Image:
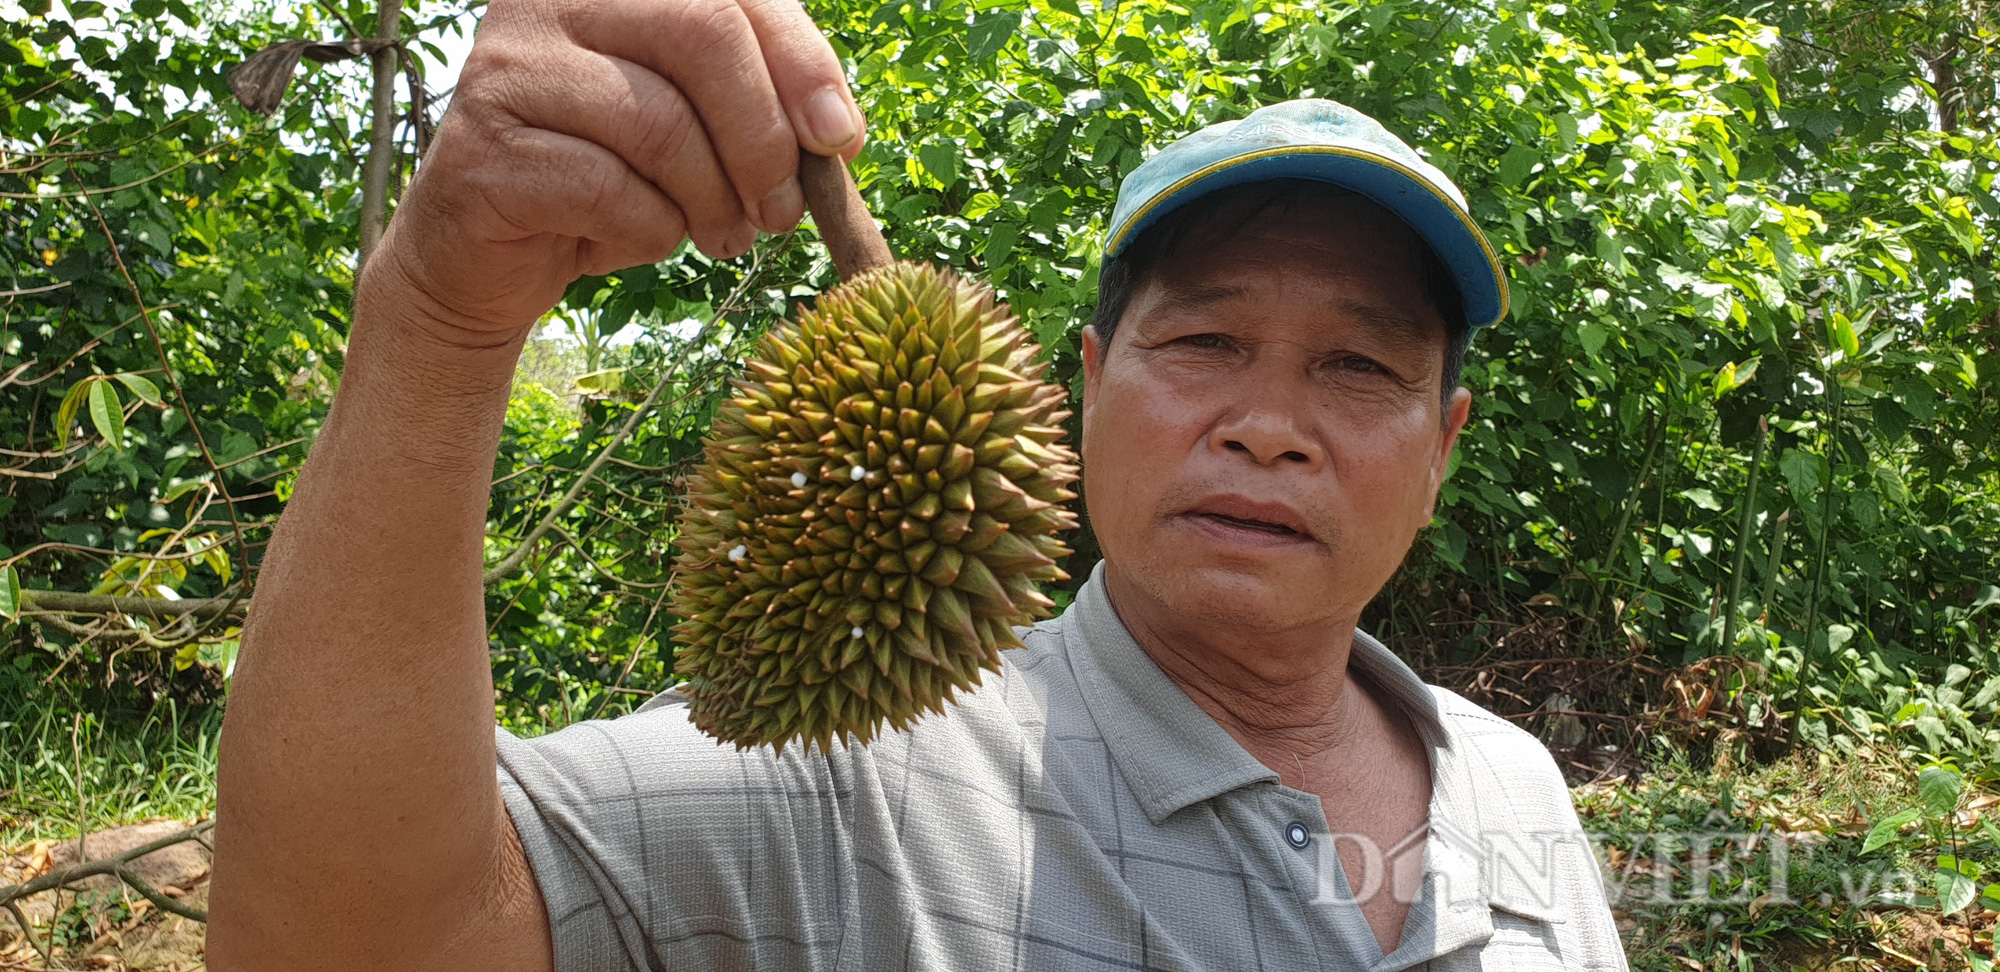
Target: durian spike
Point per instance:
(845, 224)
(873, 511)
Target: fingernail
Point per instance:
(782, 209)
(832, 121)
(741, 240)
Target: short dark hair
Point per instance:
(1120, 278)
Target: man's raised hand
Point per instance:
(358, 756)
(586, 137)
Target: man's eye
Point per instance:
(1210, 341)
(1355, 362)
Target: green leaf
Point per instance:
(1517, 164)
(941, 161)
(153, 235)
(107, 414)
(220, 655)
(1801, 470)
(981, 204)
(601, 382)
(1841, 334)
(1954, 889)
(1885, 829)
(887, 13)
(1732, 376)
(1938, 787)
(1703, 498)
(66, 412)
(1865, 508)
(180, 489)
(1592, 336)
(217, 560)
(1744, 212)
(141, 386)
(10, 593)
(999, 245)
(1449, 543)
(1988, 596)
(990, 32)
(1565, 129)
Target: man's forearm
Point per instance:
(359, 737)
(361, 823)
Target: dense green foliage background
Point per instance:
(1730, 482)
(1715, 216)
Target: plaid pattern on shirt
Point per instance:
(1078, 811)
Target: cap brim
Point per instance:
(1481, 279)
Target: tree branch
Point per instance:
(167, 372)
(25, 291)
(119, 867)
(512, 560)
(570, 497)
(28, 931)
(64, 602)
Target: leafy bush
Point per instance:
(1743, 407)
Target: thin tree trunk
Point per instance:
(379, 171)
(1742, 557)
(1950, 94)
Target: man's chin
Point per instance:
(1245, 597)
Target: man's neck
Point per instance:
(1281, 694)
(1285, 697)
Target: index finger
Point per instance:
(712, 52)
(808, 78)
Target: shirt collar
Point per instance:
(1171, 753)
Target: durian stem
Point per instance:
(844, 221)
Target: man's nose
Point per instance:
(1266, 428)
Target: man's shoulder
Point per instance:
(1466, 720)
(1507, 763)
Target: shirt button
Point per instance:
(1297, 835)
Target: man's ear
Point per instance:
(1093, 364)
(1455, 416)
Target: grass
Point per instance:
(1694, 852)
(1761, 867)
(67, 771)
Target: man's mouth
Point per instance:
(1260, 525)
(1240, 513)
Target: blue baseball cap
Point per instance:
(1312, 138)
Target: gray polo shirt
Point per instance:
(1078, 811)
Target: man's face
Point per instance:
(1265, 435)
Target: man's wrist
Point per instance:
(391, 287)
(427, 386)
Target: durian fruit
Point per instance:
(876, 506)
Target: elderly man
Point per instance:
(1200, 765)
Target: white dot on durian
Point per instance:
(856, 632)
(799, 480)
(856, 473)
(738, 552)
